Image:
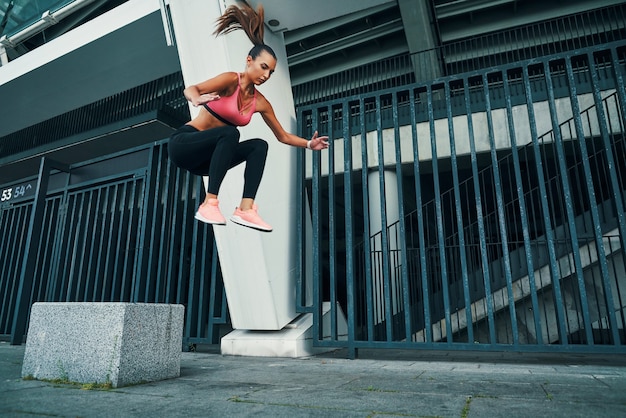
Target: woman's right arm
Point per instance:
(211, 89)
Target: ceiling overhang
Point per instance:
(301, 13)
(107, 140)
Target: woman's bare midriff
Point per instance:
(205, 121)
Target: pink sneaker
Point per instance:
(250, 218)
(210, 213)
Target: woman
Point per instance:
(209, 144)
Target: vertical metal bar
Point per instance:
(506, 265)
(366, 221)
(332, 255)
(554, 270)
(386, 273)
(17, 228)
(459, 215)
(213, 294)
(173, 237)
(155, 209)
(318, 332)
(109, 267)
(40, 256)
(116, 278)
(196, 275)
(621, 96)
(404, 263)
(301, 221)
(25, 286)
(439, 215)
(101, 256)
(43, 250)
(101, 278)
(84, 262)
(53, 291)
(129, 235)
(91, 265)
(615, 186)
(77, 248)
(480, 219)
(611, 241)
(65, 250)
(165, 211)
(186, 196)
(71, 248)
(420, 221)
(522, 210)
(349, 229)
(567, 195)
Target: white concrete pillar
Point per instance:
(258, 268)
(390, 198)
(392, 209)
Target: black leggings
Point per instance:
(215, 151)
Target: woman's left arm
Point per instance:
(264, 107)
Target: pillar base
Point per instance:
(294, 340)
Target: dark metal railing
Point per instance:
(500, 237)
(115, 229)
(512, 201)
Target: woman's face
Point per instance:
(261, 68)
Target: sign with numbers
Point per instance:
(15, 192)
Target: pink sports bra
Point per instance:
(227, 110)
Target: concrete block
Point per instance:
(101, 342)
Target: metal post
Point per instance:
(420, 222)
(25, 286)
(439, 220)
(349, 227)
(459, 218)
(501, 216)
(367, 248)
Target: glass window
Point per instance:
(16, 15)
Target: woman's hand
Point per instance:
(318, 143)
(205, 98)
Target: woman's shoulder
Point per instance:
(261, 102)
(225, 83)
(228, 76)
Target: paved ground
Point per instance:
(406, 384)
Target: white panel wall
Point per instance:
(258, 268)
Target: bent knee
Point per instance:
(260, 145)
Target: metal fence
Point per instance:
(118, 229)
(510, 214)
